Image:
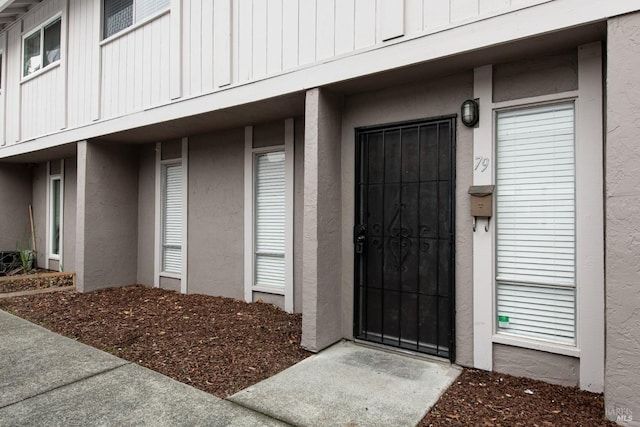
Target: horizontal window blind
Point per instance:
(535, 222)
(172, 219)
(146, 8)
(538, 311)
(269, 219)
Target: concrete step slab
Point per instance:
(348, 384)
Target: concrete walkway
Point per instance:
(49, 380)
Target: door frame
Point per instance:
(452, 119)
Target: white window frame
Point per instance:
(135, 23)
(249, 218)
(183, 160)
(589, 224)
(50, 216)
(506, 337)
(40, 28)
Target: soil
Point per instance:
(222, 345)
(484, 398)
(218, 345)
(19, 283)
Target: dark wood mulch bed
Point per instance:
(219, 345)
(484, 398)
(26, 282)
(222, 345)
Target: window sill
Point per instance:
(40, 72)
(134, 27)
(268, 290)
(549, 347)
(171, 275)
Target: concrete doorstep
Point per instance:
(50, 380)
(348, 384)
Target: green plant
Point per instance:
(27, 257)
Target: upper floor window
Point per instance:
(120, 14)
(41, 47)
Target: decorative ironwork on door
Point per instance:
(404, 254)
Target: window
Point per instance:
(172, 218)
(41, 47)
(55, 200)
(120, 14)
(269, 219)
(536, 223)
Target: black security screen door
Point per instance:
(404, 254)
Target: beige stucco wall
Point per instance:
(107, 215)
(414, 101)
(524, 362)
(146, 213)
(69, 212)
(216, 214)
(622, 159)
(15, 197)
(39, 197)
(321, 256)
(536, 76)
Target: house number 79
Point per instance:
(482, 163)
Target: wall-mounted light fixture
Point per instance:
(470, 112)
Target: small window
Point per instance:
(120, 14)
(41, 47)
(536, 223)
(56, 214)
(172, 218)
(269, 219)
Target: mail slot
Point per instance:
(481, 200)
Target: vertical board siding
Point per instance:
(274, 36)
(198, 47)
(345, 19)
(365, 23)
(3, 47)
(307, 31)
(259, 51)
(80, 62)
(136, 69)
(290, 33)
(463, 9)
(42, 104)
(325, 39)
(206, 45)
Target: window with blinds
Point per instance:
(120, 14)
(535, 222)
(172, 218)
(269, 219)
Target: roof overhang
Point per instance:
(12, 10)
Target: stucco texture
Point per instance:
(107, 215)
(322, 259)
(216, 214)
(146, 213)
(69, 212)
(524, 362)
(419, 100)
(15, 197)
(622, 373)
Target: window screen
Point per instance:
(172, 219)
(118, 15)
(269, 219)
(535, 220)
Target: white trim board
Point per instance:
(249, 223)
(589, 224)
